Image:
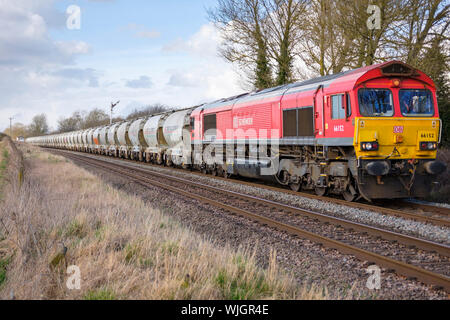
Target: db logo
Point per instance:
(398, 129)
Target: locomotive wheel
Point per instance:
(214, 172)
(295, 186)
(348, 196)
(320, 191)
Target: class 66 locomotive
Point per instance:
(369, 133)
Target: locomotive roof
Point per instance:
(280, 90)
(391, 68)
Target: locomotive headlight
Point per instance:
(428, 146)
(396, 83)
(370, 146)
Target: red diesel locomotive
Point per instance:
(372, 132)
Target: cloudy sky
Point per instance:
(137, 51)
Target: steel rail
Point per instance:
(400, 267)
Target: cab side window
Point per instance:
(338, 106)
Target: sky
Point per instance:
(139, 52)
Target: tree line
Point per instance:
(79, 120)
(275, 42)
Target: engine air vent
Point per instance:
(398, 69)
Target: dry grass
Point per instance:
(441, 194)
(124, 248)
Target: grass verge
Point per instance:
(64, 216)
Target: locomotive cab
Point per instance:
(397, 133)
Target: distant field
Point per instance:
(124, 249)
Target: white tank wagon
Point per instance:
(72, 142)
(178, 136)
(65, 140)
(154, 137)
(103, 139)
(79, 140)
(90, 140)
(55, 141)
(125, 144)
(113, 140)
(84, 135)
(59, 141)
(136, 135)
(96, 139)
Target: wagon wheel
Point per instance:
(159, 159)
(295, 186)
(225, 174)
(320, 191)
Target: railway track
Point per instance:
(442, 211)
(442, 220)
(412, 257)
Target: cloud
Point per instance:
(204, 42)
(140, 83)
(33, 65)
(179, 79)
(90, 75)
(140, 31)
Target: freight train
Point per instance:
(369, 133)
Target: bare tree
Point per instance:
(95, 118)
(423, 23)
(18, 130)
(38, 126)
(147, 111)
(242, 26)
(284, 22)
(71, 123)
